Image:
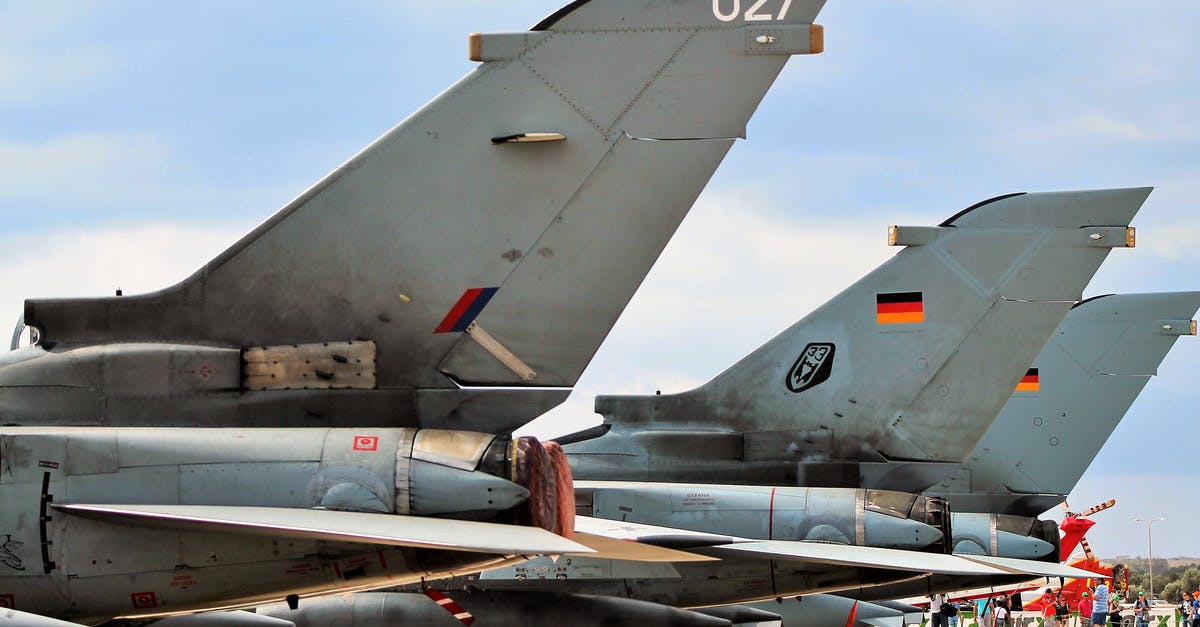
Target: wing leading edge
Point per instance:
(339, 526)
(824, 553)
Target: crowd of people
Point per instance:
(1097, 606)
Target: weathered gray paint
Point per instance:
(1091, 371)
(97, 562)
(649, 96)
(763, 512)
(996, 281)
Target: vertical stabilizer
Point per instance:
(913, 361)
(490, 239)
(1074, 396)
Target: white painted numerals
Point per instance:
(756, 10)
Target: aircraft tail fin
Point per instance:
(493, 237)
(1070, 402)
(914, 360)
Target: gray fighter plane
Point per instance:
(913, 362)
(486, 243)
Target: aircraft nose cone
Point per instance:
(899, 533)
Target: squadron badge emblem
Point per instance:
(812, 367)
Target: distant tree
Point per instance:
(1190, 580)
(1170, 592)
(1139, 575)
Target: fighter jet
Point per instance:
(488, 242)
(913, 362)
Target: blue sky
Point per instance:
(138, 139)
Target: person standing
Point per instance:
(1048, 611)
(1085, 610)
(1114, 610)
(1100, 605)
(1141, 610)
(1001, 614)
(936, 617)
(1062, 613)
(951, 610)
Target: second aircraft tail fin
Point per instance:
(913, 361)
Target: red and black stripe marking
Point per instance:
(464, 312)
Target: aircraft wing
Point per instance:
(722, 546)
(1031, 567)
(650, 534)
(862, 556)
(619, 549)
(934, 563)
(338, 526)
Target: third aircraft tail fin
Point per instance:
(1069, 402)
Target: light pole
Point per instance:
(1150, 549)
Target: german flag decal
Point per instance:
(1029, 382)
(899, 308)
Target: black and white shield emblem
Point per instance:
(812, 367)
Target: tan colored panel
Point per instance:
(328, 365)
